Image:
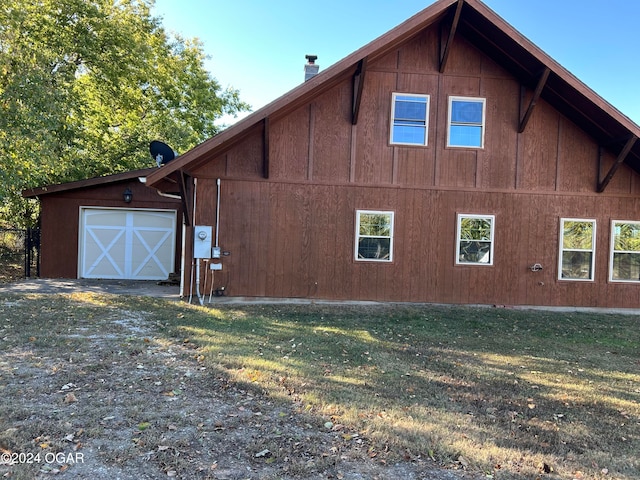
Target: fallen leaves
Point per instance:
(70, 398)
(139, 384)
(172, 393)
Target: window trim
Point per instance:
(612, 251)
(394, 96)
(358, 236)
(461, 216)
(562, 249)
(483, 125)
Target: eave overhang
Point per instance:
(561, 89)
(87, 183)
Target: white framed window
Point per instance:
(577, 249)
(374, 236)
(410, 119)
(625, 251)
(474, 244)
(466, 122)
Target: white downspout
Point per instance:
(197, 260)
(182, 258)
(217, 245)
(200, 297)
(218, 213)
(193, 259)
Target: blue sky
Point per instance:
(259, 46)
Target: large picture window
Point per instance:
(625, 251)
(577, 249)
(409, 119)
(466, 122)
(374, 236)
(475, 239)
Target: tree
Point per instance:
(85, 85)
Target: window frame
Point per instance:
(394, 98)
(460, 217)
(562, 249)
(612, 250)
(358, 236)
(482, 125)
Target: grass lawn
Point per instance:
(506, 392)
(510, 394)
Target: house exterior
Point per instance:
(448, 161)
(110, 227)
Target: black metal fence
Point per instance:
(19, 253)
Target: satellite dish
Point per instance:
(161, 152)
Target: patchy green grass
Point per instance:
(507, 392)
(511, 394)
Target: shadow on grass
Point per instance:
(511, 393)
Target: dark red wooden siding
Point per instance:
(292, 234)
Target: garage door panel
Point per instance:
(103, 218)
(153, 221)
(127, 244)
(150, 269)
(104, 252)
(104, 268)
(148, 257)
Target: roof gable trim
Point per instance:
(468, 16)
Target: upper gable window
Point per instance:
(466, 122)
(409, 119)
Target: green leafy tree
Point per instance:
(85, 85)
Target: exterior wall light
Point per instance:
(127, 195)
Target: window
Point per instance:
(577, 249)
(625, 251)
(475, 240)
(409, 119)
(374, 236)
(466, 122)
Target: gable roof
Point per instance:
(90, 182)
(490, 34)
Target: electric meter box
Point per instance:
(202, 235)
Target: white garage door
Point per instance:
(118, 243)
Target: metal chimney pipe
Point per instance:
(310, 68)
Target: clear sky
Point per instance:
(259, 46)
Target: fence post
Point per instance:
(31, 243)
(27, 253)
(36, 242)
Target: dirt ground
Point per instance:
(122, 401)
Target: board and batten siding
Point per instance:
(291, 233)
(297, 240)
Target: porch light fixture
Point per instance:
(127, 195)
